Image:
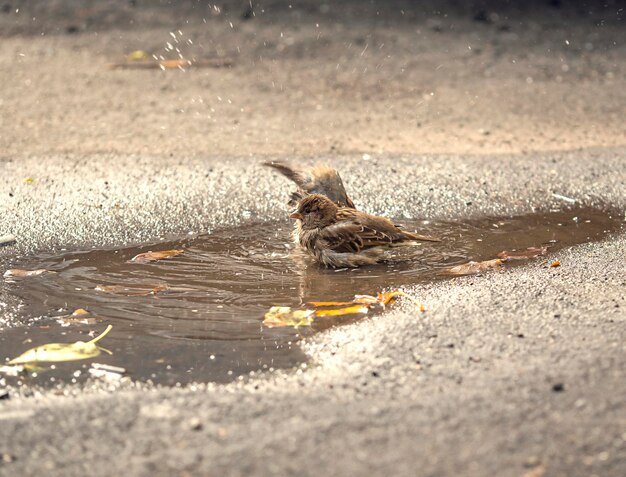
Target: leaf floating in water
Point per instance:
(285, 316)
(556, 263)
(530, 252)
(58, 352)
(281, 316)
(19, 273)
(132, 290)
(154, 256)
(472, 268)
(350, 310)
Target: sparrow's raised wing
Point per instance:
(321, 179)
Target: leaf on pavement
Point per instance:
(556, 263)
(472, 268)
(58, 352)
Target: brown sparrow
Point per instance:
(343, 236)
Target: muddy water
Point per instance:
(207, 324)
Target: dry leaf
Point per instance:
(285, 316)
(530, 252)
(556, 263)
(154, 256)
(58, 352)
(471, 268)
(19, 273)
(29, 180)
(280, 316)
(78, 317)
(132, 290)
(382, 299)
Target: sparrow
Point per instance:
(321, 179)
(339, 237)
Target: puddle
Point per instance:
(207, 326)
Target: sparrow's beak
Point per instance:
(296, 215)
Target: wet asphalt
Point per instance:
(520, 373)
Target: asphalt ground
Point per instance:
(520, 373)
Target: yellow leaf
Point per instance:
(154, 256)
(58, 352)
(137, 55)
(280, 316)
(350, 310)
(29, 180)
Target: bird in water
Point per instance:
(330, 228)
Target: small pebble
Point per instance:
(195, 424)
(558, 387)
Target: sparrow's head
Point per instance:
(315, 211)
